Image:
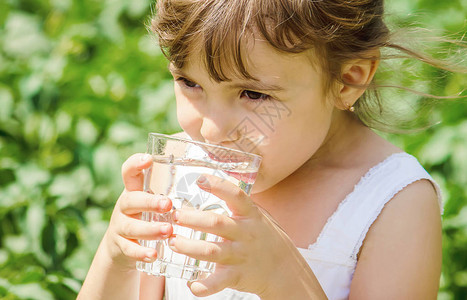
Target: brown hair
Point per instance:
(337, 30)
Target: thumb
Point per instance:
(215, 283)
(132, 171)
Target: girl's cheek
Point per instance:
(187, 120)
(188, 116)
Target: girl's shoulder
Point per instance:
(413, 186)
(402, 246)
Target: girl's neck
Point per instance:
(342, 143)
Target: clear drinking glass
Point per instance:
(177, 164)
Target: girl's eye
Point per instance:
(255, 96)
(187, 82)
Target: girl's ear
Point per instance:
(357, 75)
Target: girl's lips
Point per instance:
(225, 158)
(245, 177)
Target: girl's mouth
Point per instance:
(224, 158)
(248, 178)
(245, 176)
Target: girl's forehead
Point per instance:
(258, 58)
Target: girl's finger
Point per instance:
(203, 250)
(134, 250)
(136, 202)
(236, 199)
(206, 221)
(132, 171)
(211, 285)
(142, 230)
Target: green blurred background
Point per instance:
(81, 85)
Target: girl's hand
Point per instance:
(126, 226)
(255, 255)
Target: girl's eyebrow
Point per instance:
(174, 69)
(258, 85)
(248, 85)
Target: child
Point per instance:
(336, 211)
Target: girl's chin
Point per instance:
(259, 186)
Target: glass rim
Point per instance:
(171, 137)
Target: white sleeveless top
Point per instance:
(333, 257)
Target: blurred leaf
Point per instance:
(439, 146)
(11, 196)
(22, 36)
(108, 20)
(35, 223)
(63, 287)
(17, 244)
(86, 132)
(72, 188)
(31, 291)
(118, 87)
(107, 164)
(4, 286)
(6, 103)
(122, 133)
(30, 175)
(3, 256)
(78, 263)
(148, 45)
(137, 9)
(98, 85)
(62, 5)
(153, 102)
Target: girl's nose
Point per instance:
(219, 127)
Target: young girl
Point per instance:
(336, 211)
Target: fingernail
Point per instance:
(145, 157)
(175, 215)
(202, 180)
(149, 257)
(172, 241)
(163, 202)
(165, 229)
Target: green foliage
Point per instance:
(442, 149)
(81, 85)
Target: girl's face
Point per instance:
(284, 116)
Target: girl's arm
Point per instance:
(151, 287)
(107, 280)
(113, 273)
(401, 255)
